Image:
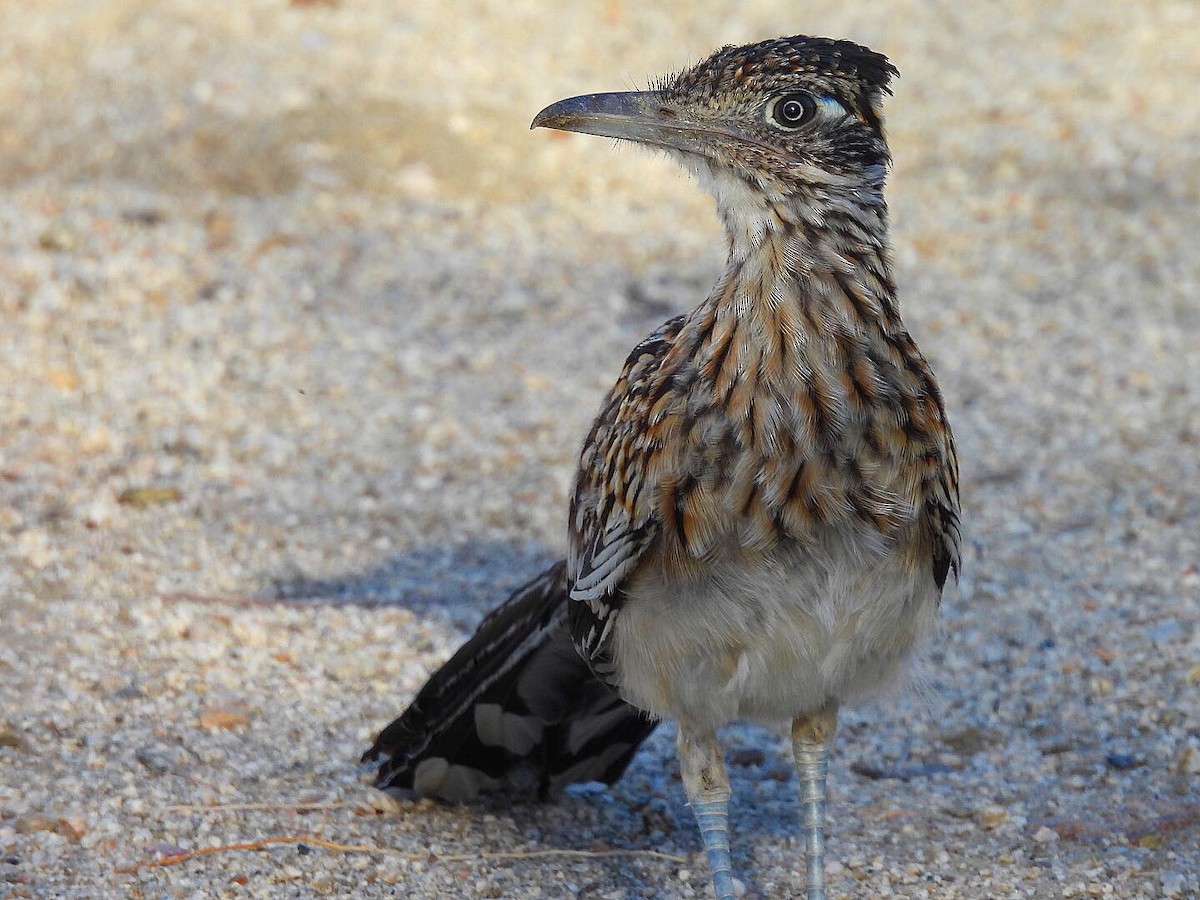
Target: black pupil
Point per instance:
(793, 111)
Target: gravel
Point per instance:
(303, 327)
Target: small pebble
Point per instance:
(1122, 761)
(992, 817)
(1173, 884)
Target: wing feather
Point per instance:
(612, 519)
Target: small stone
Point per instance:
(992, 817)
(970, 740)
(218, 228)
(1122, 761)
(383, 804)
(222, 719)
(145, 215)
(1173, 884)
(1188, 762)
(32, 824)
(58, 240)
(1045, 835)
(156, 762)
(10, 737)
(142, 497)
(72, 827)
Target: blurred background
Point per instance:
(302, 328)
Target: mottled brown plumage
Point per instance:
(766, 508)
(791, 402)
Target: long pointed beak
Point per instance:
(641, 116)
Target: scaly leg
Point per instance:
(707, 787)
(811, 738)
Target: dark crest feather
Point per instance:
(798, 54)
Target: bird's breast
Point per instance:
(772, 424)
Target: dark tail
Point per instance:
(515, 710)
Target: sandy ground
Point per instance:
(301, 329)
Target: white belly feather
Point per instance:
(769, 637)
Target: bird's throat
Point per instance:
(803, 270)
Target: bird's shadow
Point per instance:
(460, 581)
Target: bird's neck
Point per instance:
(823, 253)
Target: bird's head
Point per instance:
(781, 121)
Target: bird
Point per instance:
(766, 508)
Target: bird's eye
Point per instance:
(793, 110)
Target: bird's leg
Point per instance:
(811, 738)
(707, 788)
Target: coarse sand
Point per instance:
(302, 327)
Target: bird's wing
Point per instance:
(612, 518)
(941, 508)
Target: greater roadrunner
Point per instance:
(766, 508)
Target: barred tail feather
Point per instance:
(516, 710)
